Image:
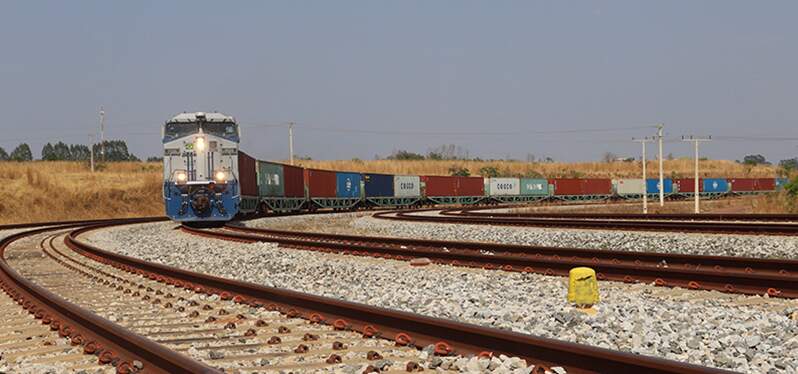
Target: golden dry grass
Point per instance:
(681, 168)
(48, 191)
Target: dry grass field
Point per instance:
(48, 191)
(681, 168)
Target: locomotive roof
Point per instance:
(209, 117)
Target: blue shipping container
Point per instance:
(716, 185)
(347, 184)
(378, 185)
(780, 182)
(652, 185)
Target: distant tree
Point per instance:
(21, 153)
(3, 154)
(755, 160)
(670, 156)
(608, 157)
(61, 151)
(115, 150)
(789, 164)
(405, 155)
(154, 159)
(133, 157)
(458, 171)
(79, 152)
(48, 154)
(489, 172)
(549, 159)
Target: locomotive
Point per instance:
(200, 166)
(207, 179)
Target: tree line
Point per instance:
(109, 150)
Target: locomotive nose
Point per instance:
(201, 203)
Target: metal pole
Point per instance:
(291, 142)
(643, 158)
(102, 134)
(696, 193)
(91, 152)
(661, 177)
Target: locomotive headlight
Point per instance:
(181, 176)
(199, 144)
(220, 176)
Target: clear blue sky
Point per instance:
(701, 67)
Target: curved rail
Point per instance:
(642, 225)
(775, 277)
(110, 342)
(479, 212)
(406, 328)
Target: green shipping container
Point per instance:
(534, 186)
(270, 179)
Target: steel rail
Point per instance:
(112, 343)
(677, 226)
(407, 328)
(777, 278)
(479, 212)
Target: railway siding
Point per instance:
(703, 327)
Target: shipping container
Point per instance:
(503, 186)
(534, 186)
(470, 186)
(687, 185)
(715, 185)
(570, 186)
(628, 186)
(271, 181)
(378, 185)
(320, 183)
(743, 184)
(766, 184)
(439, 185)
(247, 178)
(406, 185)
(294, 181)
(348, 184)
(652, 185)
(780, 182)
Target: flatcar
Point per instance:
(208, 178)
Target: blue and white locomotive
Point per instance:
(201, 167)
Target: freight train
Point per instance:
(208, 178)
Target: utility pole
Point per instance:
(291, 142)
(91, 151)
(102, 133)
(643, 141)
(695, 142)
(661, 177)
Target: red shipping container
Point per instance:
(766, 184)
(321, 183)
(688, 184)
(439, 185)
(581, 186)
(294, 177)
(247, 178)
(743, 184)
(470, 186)
(598, 186)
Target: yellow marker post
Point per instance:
(583, 287)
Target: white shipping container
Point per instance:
(406, 186)
(504, 186)
(629, 186)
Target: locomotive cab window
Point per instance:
(176, 130)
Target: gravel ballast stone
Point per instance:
(743, 333)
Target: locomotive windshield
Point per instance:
(174, 130)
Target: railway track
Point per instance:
(135, 316)
(568, 221)
(743, 217)
(775, 277)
